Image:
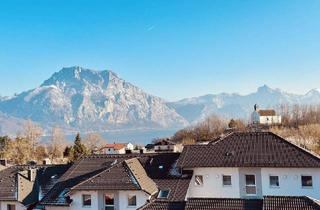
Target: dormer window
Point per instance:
(164, 194)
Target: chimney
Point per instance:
(32, 173)
(3, 162)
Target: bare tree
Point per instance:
(19, 151)
(32, 133)
(57, 144)
(93, 142)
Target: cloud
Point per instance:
(150, 28)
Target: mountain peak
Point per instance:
(315, 91)
(265, 88)
(78, 75)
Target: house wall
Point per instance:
(270, 119)
(98, 203)
(290, 182)
(142, 198)
(113, 151)
(289, 178)
(212, 183)
(164, 148)
(19, 206)
(242, 181)
(130, 146)
(77, 200)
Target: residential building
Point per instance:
(239, 171)
(122, 182)
(117, 148)
(165, 145)
(21, 187)
(255, 168)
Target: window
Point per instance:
(163, 194)
(109, 201)
(86, 200)
(198, 180)
(251, 185)
(306, 181)
(226, 180)
(274, 181)
(11, 207)
(132, 200)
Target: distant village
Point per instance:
(206, 167)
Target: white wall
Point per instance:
(19, 206)
(212, 183)
(77, 200)
(142, 198)
(289, 178)
(290, 182)
(270, 119)
(97, 200)
(113, 151)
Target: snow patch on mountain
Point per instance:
(89, 100)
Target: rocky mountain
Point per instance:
(83, 99)
(240, 106)
(76, 99)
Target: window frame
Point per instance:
(83, 200)
(11, 206)
(306, 187)
(132, 195)
(226, 175)
(195, 182)
(251, 185)
(164, 190)
(274, 186)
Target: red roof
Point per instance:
(115, 146)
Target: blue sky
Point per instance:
(170, 48)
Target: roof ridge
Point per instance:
(144, 173)
(84, 181)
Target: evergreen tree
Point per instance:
(232, 124)
(78, 148)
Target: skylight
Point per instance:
(164, 194)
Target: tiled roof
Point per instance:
(289, 203)
(267, 112)
(28, 193)
(177, 187)
(164, 205)
(145, 182)
(48, 176)
(115, 146)
(8, 184)
(117, 177)
(267, 203)
(108, 172)
(248, 149)
(223, 203)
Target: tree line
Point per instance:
(27, 146)
(300, 125)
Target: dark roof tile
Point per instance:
(223, 203)
(248, 149)
(289, 203)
